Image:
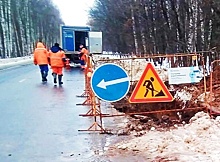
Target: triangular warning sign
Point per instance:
(150, 88)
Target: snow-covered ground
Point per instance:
(197, 141)
(11, 62)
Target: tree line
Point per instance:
(24, 22)
(157, 26)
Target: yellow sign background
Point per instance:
(142, 89)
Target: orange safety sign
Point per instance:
(150, 88)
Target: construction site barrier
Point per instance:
(214, 80)
(175, 60)
(91, 100)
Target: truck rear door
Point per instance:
(95, 42)
(68, 40)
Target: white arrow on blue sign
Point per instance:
(110, 82)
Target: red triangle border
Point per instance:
(167, 98)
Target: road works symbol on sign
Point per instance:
(150, 88)
(110, 82)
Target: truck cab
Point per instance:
(73, 36)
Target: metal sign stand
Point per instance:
(92, 101)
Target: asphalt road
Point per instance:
(40, 122)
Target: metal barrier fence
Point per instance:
(91, 100)
(214, 94)
(134, 66)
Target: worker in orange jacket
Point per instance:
(83, 56)
(41, 59)
(57, 60)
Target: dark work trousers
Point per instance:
(44, 71)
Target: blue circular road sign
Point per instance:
(110, 82)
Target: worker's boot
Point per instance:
(60, 79)
(54, 78)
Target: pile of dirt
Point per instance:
(188, 100)
(143, 108)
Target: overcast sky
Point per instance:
(74, 12)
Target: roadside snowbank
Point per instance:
(10, 62)
(196, 141)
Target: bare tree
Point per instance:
(25, 22)
(158, 26)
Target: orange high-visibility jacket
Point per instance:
(40, 55)
(56, 59)
(84, 52)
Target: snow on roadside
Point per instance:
(9, 62)
(196, 141)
